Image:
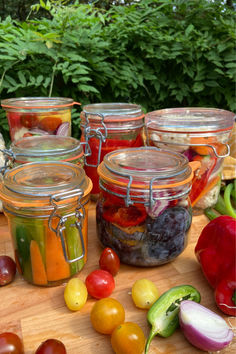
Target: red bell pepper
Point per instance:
(124, 216)
(216, 250)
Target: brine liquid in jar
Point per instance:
(144, 212)
(107, 127)
(30, 116)
(46, 204)
(200, 134)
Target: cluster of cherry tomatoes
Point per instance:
(107, 315)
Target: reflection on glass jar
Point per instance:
(47, 209)
(30, 116)
(201, 134)
(107, 127)
(143, 211)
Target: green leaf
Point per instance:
(189, 29)
(198, 87)
(211, 83)
(22, 78)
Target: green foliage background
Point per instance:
(157, 54)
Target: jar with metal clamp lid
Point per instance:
(29, 116)
(143, 211)
(107, 127)
(47, 209)
(45, 148)
(201, 134)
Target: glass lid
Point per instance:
(37, 102)
(191, 119)
(46, 146)
(31, 182)
(143, 165)
(118, 111)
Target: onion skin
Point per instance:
(198, 336)
(63, 129)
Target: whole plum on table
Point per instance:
(7, 270)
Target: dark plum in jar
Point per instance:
(144, 211)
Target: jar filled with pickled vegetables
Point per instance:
(144, 212)
(29, 116)
(46, 204)
(201, 134)
(46, 148)
(107, 127)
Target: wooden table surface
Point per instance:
(37, 313)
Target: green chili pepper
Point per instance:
(228, 205)
(74, 246)
(23, 231)
(22, 240)
(210, 213)
(163, 315)
(220, 205)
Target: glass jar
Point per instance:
(107, 127)
(143, 211)
(28, 116)
(47, 209)
(201, 134)
(46, 148)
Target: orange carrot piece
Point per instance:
(38, 270)
(206, 189)
(56, 266)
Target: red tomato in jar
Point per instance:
(100, 283)
(50, 123)
(109, 261)
(51, 346)
(10, 343)
(29, 120)
(128, 338)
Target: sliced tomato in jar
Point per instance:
(50, 123)
(29, 120)
(124, 216)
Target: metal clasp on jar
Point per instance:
(9, 156)
(79, 214)
(97, 133)
(189, 145)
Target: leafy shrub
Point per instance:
(157, 54)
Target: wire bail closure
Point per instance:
(186, 144)
(97, 133)
(8, 156)
(79, 214)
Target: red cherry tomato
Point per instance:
(10, 343)
(100, 283)
(29, 120)
(109, 261)
(51, 346)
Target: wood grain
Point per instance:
(37, 313)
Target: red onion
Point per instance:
(38, 131)
(63, 129)
(203, 328)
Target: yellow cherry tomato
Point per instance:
(128, 338)
(144, 293)
(106, 315)
(75, 294)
